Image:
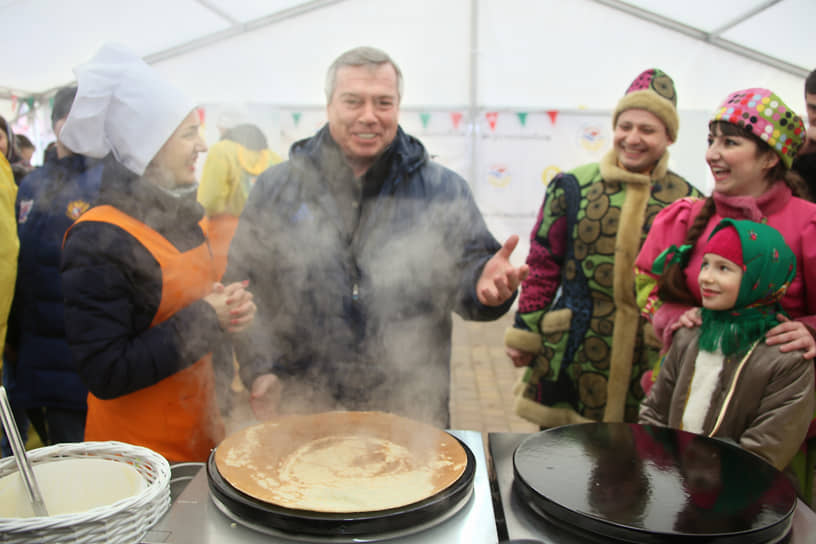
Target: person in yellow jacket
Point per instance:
(229, 173)
(9, 243)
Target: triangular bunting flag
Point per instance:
(492, 117)
(522, 115)
(30, 102)
(553, 114)
(296, 117)
(425, 117)
(456, 118)
(201, 115)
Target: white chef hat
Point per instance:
(122, 106)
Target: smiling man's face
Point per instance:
(364, 113)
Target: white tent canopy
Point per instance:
(527, 53)
(468, 58)
(472, 54)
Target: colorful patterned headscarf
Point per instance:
(769, 266)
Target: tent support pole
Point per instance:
(473, 93)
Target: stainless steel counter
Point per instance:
(516, 520)
(195, 519)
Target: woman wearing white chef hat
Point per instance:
(143, 311)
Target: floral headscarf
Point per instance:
(769, 266)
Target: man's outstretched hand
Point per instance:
(500, 279)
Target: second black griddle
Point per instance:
(620, 482)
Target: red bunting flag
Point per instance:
(553, 114)
(456, 117)
(492, 117)
(201, 115)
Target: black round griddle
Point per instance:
(621, 482)
(262, 515)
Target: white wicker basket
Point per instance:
(125, 521)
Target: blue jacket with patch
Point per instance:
(360, 317)
(49, 200)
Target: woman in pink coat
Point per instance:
(753, 138)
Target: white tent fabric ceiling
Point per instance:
(497, 53)
(507, 57)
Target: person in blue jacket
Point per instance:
(42, 382)
(359, 248)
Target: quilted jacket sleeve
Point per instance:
(548, 246)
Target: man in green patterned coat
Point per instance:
(578, 329)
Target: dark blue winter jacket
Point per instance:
(49, 200)
(113, 288)
(363, 316)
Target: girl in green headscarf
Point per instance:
(721, 378)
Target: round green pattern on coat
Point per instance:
(604, 274)
(603, 327)
(589, 230)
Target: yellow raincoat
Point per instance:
(9, 243)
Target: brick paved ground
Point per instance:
(483, 378)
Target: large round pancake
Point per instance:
(341, 462)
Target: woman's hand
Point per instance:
(791, 335)
(265, 396)
(690, 319)
(233, 306)
(519, 358)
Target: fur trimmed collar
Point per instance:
(610, 170)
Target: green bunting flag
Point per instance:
(296, 117)
(425, 117)
(522, 115)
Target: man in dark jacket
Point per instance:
(39, 372)
(805, 163)
(357, 250)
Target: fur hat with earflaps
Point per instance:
(653, 90)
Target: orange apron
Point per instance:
(178, 416)
(221, 229)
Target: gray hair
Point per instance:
(360, 56)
